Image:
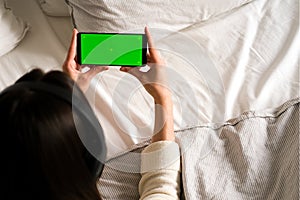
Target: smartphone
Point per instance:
(114, 49)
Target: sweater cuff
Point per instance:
(160, 155)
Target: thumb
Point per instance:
(72, 49)
(135, 71)
(95, 70)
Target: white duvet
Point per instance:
(245, 59)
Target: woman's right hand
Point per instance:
(154, 81)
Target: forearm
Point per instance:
(164, 123)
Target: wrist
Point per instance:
(164, 101)
(164, 125)
(162, 97)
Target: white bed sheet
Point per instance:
(253, 49)
(40, 48)
(63, 27)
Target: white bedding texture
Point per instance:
(244, 57)
(41, 47)
(13, 29)
(224, 59)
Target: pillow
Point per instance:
(55, 8)
(12, 31)
(118, 16)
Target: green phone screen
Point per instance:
(111, 49)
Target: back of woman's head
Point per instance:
(42, 154)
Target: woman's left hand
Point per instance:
(73, 69)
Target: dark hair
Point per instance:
(41, 150)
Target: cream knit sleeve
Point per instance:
(160, 168)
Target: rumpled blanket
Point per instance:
(253, 156)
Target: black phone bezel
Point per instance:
(144, 49)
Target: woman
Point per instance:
(43, 153)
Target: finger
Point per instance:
(124, 69)
(95, 70)
(148, 58)
(72, 49)
(135, 71)
(149, 37)
(152, 50)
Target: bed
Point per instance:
(234, 73)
